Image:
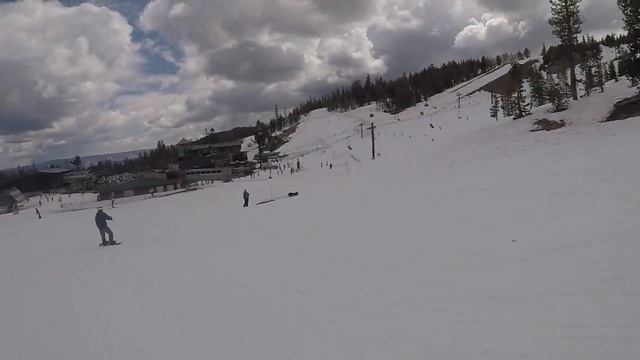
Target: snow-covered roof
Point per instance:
(249, 143)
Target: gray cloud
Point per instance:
(249, 61)
(57, 62)
(22, 106)
(393, 47)
(512, 5)
(601, 16)
(346, 10)
(254, 98)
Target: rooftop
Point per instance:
(54, 171)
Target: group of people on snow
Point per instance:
(102, 217)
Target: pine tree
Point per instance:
(520, 103)
(587, 71)
(368, 89)
(508, 105)
(631, 17)
(404, 94)
(77, 162)
(537, 88)
(613, 74)
(599, 73)
(495, 106)
(557, 92)
(545, 56)
(565, 87)
(567, 21)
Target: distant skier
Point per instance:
(101, 223)
(38, 213)
(245, 195)
(298, 167)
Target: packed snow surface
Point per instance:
(468, 239)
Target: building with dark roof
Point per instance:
(137, 187)
(42, 181)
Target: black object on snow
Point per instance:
(109, 244)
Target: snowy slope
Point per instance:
(471, 239)
(608, 54)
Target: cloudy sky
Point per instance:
(90, 77)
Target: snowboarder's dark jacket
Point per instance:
(101, 219)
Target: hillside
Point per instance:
(467, 238)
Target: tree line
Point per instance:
(401, 93)
(158, 158)
(585, 55)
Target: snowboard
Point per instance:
(117, 243)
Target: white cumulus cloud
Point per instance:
(57, 61)
(489, 30)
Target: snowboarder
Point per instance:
(298, 164)
(245, 195)
(101, 223)
(113, 200)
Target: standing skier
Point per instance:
(245, 195)
(101, 223)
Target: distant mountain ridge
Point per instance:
(86, 160)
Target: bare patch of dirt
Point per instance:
(548, 125)
(625, 109)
